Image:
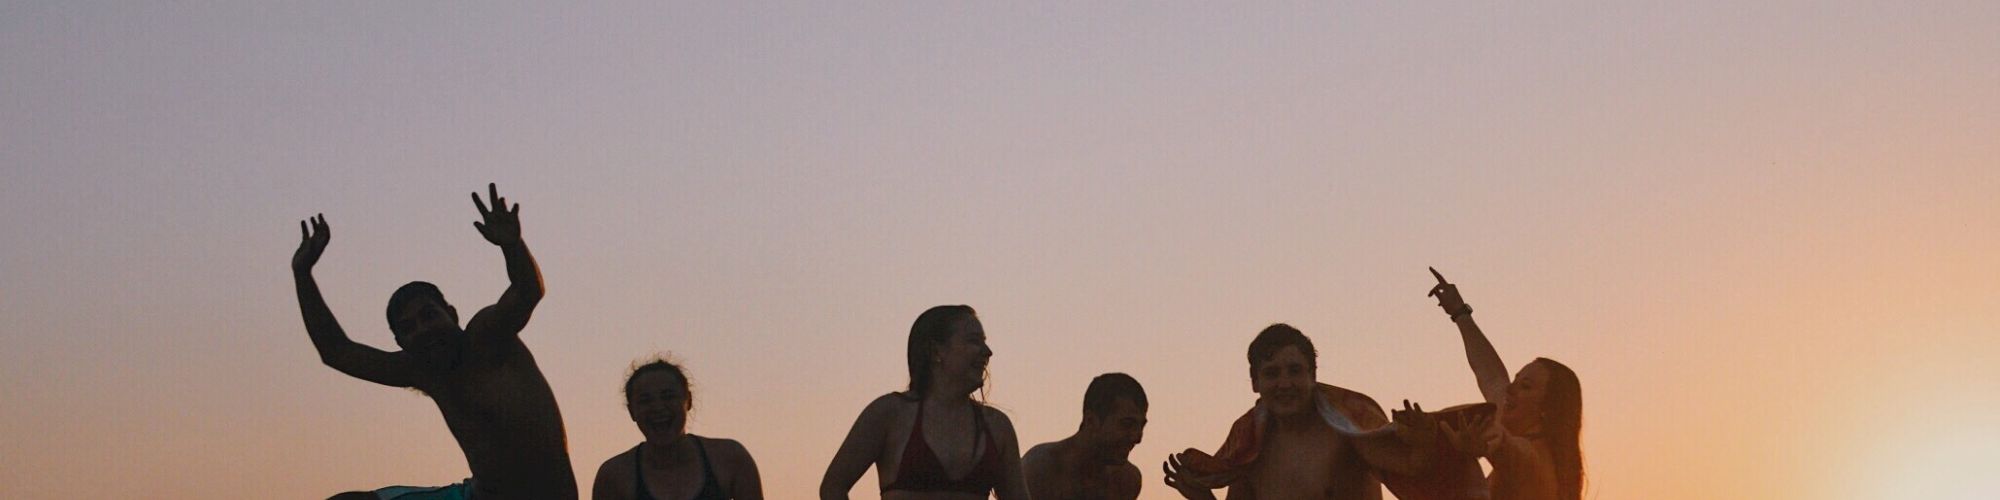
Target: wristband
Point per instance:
(1464, 310)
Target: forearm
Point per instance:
(1384, 449)
(523, 276)
(828, 491)
(1487, 367)
(327, 336)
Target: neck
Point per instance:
(946, 393)
(1076, 452)
(1306, 419)
(666, 448)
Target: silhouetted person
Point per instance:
(1534, 451)
(934, 442)
(482, 377)
(672, 464)
(1094, 463)
(1302, 440)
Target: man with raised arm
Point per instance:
(1303, 439)
(483, 379)
(1094, 463)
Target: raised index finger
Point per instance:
(480, 204)
(1440, 277)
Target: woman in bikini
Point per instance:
(934, 442)
(1534, 449)
(672, 464)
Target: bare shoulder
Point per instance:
(998, 418)
(614, 474)
(1038, 453)
(1039, 459)
(1125, 480)
(729, 449)
(886, 408)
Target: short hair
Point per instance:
(412, 291)
(659, 364)
(1275, 338)
(1107, 389)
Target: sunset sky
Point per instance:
(1766, 237)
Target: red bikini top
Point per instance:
(920, 469)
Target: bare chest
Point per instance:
(1313, 466)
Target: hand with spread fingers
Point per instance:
(1177, 478)
(312, 242)
(1477, 438)
(501, 225)
(1414, 426)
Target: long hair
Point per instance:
(931, 331)
(1562, 426)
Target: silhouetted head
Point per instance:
(1114, 417)
(425, 325)
(1284, 369)
(658, 397)
(948, 351)
(1545, 403)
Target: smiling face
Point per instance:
(427, 328)
(1112, 435)
(961, 361)
(658, 402)
(1522, 412)
(1285, 381)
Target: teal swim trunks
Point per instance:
(460, 491)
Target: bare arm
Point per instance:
(1011, 486)
(610, 483)
(1401, 447)
(335, 349)
(1486, 365)
(1036, 471)
(502, 227)
(859, 451)
(746, 484)
(1126, 482)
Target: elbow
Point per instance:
(830, 488)
(531, 294)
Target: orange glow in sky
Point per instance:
(1765, 236)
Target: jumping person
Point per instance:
(672, 464)
(1094, 463)
(1296, 442)
(482, 378)
(1534, 450)
(933, 441)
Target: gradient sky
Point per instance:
(1764, 235)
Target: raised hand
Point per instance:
(1448, 298)
(313, 236)
(501, 225)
